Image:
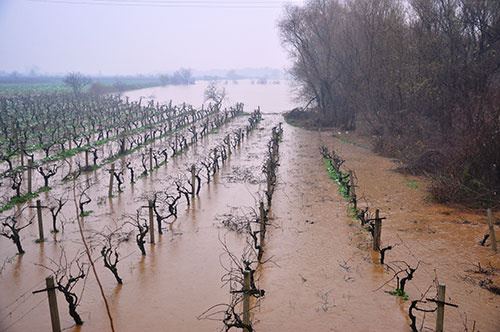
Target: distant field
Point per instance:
(33, 88)
(9, 86)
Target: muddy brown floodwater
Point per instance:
(321, 274)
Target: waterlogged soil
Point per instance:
(445, 239)
(333, 279)
(320, 274)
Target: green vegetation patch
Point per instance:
(401, 293)
(86, 213)
(343, 186)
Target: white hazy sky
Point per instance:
(139, 37)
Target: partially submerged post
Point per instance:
(228, 144)
(268, 166)
(377, 230)
(193, 180)
(176, 142)
(440, 307)
(492, 232)
(87, 167)
(262, 223)
(51, 293)
(21, 149)
(151, 223)
(30, 176)
(246, 299)
(275, 142)
(150, 159)
(54, 312)
(111, 174)
(40, 221)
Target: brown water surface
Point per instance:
(321, 274)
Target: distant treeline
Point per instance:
(422, 75)
(180, 77)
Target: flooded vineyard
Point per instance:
(310, 265)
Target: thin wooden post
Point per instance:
(352, 190)
(176, 139)
(22, 154)
(86, 159)
(193, 180)
(40, 220)
(262, 223)
(151, 223)
(239, 136)
(440, 307)
(492, 232)
(246, 299)
(275, 143)
(228, 145)
(269, 176)
(150, 159)
(30, 176)
(377, 230)
(111, 174)
(54, 312)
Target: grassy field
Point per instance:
(49, 85)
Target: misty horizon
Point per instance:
(241, 73)
(130, 38)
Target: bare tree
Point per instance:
(213, 93)
(76, 81)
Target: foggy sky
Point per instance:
(118, 37)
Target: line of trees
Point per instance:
(423, 75)
(182, 76)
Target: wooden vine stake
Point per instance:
(262, 223)
(268, 166)
(377, 231)
(275, 141)
(54, 312)
(111, 173)
(193, 180)
(151, 223)
(351, 186)
(22, 154)
(40, 220)
(87, 159)
(30, 176)
(150, 159)
(492, 232)
(176, 142)
(440, 307)
(246, 299)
